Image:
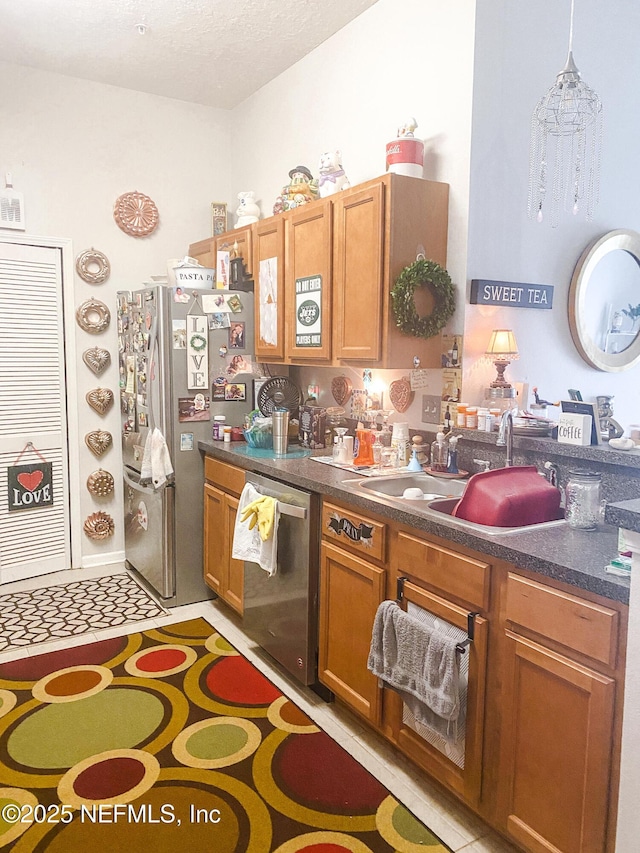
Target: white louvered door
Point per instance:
(33, 406)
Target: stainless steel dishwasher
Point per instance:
(281, 611)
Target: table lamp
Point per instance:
(502, 350)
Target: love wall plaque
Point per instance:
(30, 486)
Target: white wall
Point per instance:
(400, 58)
(73, 147)
(520, 47)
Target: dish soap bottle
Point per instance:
(363, 451)
(452, 461)
(439, 453)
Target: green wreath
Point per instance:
(197, 342)
(423, 273)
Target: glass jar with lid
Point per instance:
(584, 508)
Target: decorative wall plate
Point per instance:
(98, 441)
(135, 214)
(100, 399)
(97, 359)
(341, 389)
(92, 266)
(93, 316)
(400, 394)
(99, 525)
(100, 483)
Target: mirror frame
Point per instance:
(612, 241)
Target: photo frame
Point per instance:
(236, 335)
(236, 391)
(218, 217)
(579, 407)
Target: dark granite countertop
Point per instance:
(574, 557)
(624, 514)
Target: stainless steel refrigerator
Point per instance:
(184, 356)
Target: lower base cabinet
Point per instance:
(546, 674)
(350, 592)
(555, 751)
(223, 574)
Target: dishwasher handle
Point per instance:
(290, 509)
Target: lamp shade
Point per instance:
(502, 345)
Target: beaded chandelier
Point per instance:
(566, 137)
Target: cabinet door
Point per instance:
(238, 243)
(216, 561)
(460, 769)
(308, 319)
(350, 592)
(204, 251)
(234, 592)
(556, 742)
(358, 222)
(268, 253)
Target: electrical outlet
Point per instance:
(430, 409)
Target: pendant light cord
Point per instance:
(571, 28)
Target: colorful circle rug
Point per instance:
(169, 740)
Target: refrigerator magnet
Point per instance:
(222, 351)
(186, 441)
(179, 334)
(234, 303)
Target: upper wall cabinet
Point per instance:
(323, 273)
(268, 263)
(237, 242)
(308, 286)
(379, 228)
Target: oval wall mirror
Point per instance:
(605, 288)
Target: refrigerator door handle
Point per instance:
(134, 482)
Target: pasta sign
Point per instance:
(29, 486)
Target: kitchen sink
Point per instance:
(439, 497)
(446, 506)
(391, 486)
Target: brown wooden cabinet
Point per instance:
(351, 588)
(560, 677)
(237, 242)
(269, 265)
(453, 588)
(225, 576)
(378, 229)
(308, 287)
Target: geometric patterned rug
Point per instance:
(170, 740)
(38, 615)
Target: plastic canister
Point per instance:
(218, 427)
(400, 442)
(461, 414)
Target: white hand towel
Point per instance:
(247, 544)
(156, 462)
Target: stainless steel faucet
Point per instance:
(505, 436)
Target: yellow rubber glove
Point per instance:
(266, 515)
(250, 512)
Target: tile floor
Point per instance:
(452, 823)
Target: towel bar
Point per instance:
(471, 617)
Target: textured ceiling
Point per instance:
(214, 52)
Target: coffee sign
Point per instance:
(30, 486)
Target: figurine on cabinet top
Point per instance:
(248, 211)
(332, 177)
(302, 189)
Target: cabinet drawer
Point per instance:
(355, 531)
(583, 626)
(455, 574)
(229, 478)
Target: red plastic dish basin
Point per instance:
(509, 497)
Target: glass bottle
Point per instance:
(584, 509)
(439, 454)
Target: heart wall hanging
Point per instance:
(97, 359)
(400, 394)
(30, 486)
(100, 400)
(98, 441)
